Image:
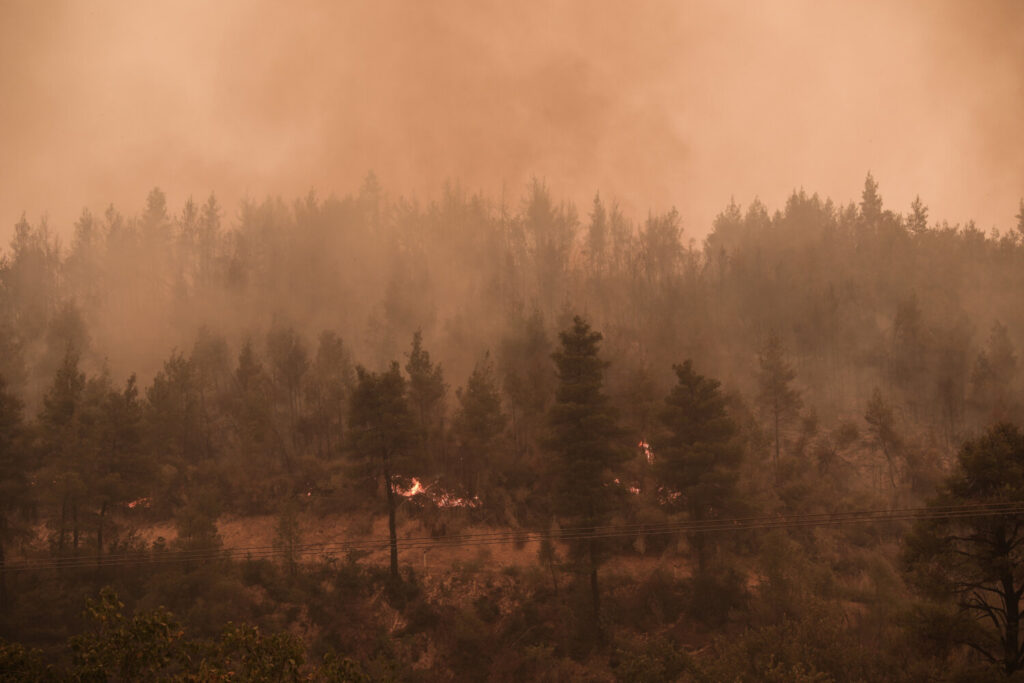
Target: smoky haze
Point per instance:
(655, 104)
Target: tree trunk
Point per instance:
(74, 526)
(63, 525)
(3, 564)
(1011, 604)
(99, 532)
(595, 593)
(777, 449)
(392, 531)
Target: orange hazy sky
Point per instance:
(656, 104)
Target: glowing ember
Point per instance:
(668, 496)
(139, 503)
(635, 490)
(645, 448)
(446, 500)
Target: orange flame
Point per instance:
(416, 489)
(635, 490)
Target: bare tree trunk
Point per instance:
(392, 531)
(74, 526)
(777, 448)
(3, 564)
(63, 525)
(99, 532)
(595, 593)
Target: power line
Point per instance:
(758, 523)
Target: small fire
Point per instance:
(416, 489)
(442, 499)
(139, 503)
(645, 448)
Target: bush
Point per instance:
(651, 661)
(714, 594)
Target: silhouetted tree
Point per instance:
(478, 424)
(870, 200)
(119, 472)
(882, 430)
(527, 381)
(427, 391)
(918, 219)
(289, 361)
(381, 435)
(173, 421)
(780, 401)
(585, 441)
(700, 455)
(979, 561)
(64, 444)
(327, 393)
(15, 495)
(597, 237)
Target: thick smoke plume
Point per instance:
(654, 103)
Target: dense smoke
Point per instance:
(658, 103)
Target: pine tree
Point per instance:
(882, 428)
(779, 400)
(597, 237)
(250, 409)
(975, 562)
(173, 421)
(426, 398)
(327, 393)
(700, 455)
(585, 441)
(526, 378)
(64, 444)
(478, 424)
(119, 472)
(871, 201)
(918, 220)
(381, 434)
(14, 488)
(289, 361)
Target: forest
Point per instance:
(482, 438)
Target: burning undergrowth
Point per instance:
(433, 495)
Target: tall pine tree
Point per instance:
(478, 425)
(15, 493)
(427, 391)
(585, 441)
(780, 402)
(381, 435)
(699, 457)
